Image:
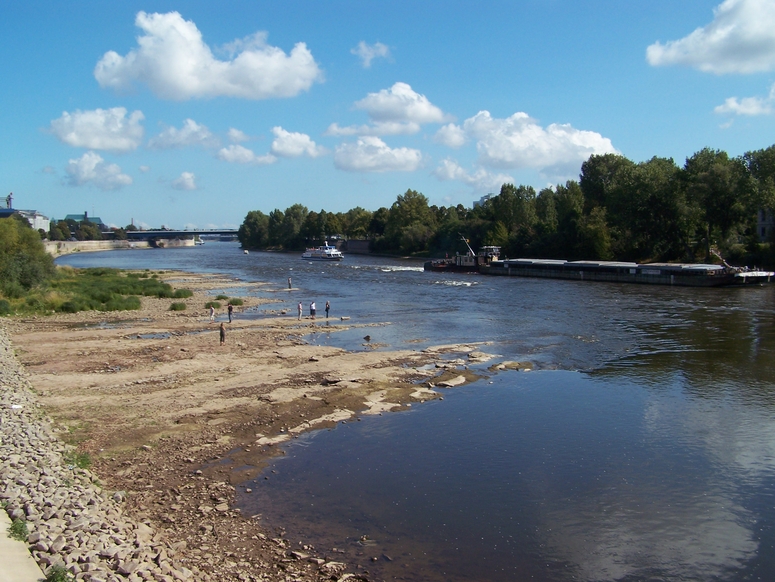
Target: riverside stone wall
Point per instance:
(58, 248)
(71, 520)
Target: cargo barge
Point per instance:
(682, 274)
(468, 263)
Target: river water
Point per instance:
(642, 446)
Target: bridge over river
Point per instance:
(168, 234)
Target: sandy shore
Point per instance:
(154, 399)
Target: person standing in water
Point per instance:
(328, 307)
(289, 283)
(230, 309)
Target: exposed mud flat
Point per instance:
(175, 420)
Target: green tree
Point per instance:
(514, 207)
(599, 176)
(24, 262)
(88, 231)
(723, 193)
(407, 212)
(378, 222)
(290, 230)
(570, 209)
(275, 227)
(356, 222)
(253, 233)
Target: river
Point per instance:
(642, 446)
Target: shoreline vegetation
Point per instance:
(652, 211)
(170, 424)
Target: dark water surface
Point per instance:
(642, 447)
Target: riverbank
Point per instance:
(61, 248)
(173, 421)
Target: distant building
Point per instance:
(86, 218)
(765, 224)
(35, 218)
(482, 200)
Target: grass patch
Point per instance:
(99, 289)
(80, 460)
(213, 304)
(222, 297)
(178, 306)
(18, 530)
(58, 573)
(236, 301)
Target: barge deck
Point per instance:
(682, 274)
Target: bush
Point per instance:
(178, 306)
(214, 304)
(236, 301)
(58, 573)
(182, 293)
(222, 297)
(5, 307)
(18, 530)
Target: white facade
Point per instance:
(36, 219)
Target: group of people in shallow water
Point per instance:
(313, 309)
(230, 311)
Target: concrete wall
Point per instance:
(59, 248)
(358, 247)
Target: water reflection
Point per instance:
(658, 463)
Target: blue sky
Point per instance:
(190, 114)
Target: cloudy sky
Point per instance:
(193, 113)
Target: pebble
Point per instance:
(71, 521)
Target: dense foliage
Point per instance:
(29, 282)
(618, 209)
(24, 262)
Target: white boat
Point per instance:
(325, 253)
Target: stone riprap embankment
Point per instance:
(71, 520)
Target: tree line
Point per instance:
(617, 210)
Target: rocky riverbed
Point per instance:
(172, 423)
(72, 521)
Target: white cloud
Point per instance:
(395, 111)
(750, 106)
(451, 135)
(173, 60)
(371, 154)
(191, 134)
(100, 129)
(186, 181)
(238, 154)
(90, 168)
(740, 39)
(237, 136)
(369, 52)
(518, 142)
(145, 169)
(400, 103)
(480, 180)
(292, 145)
(378, 128)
